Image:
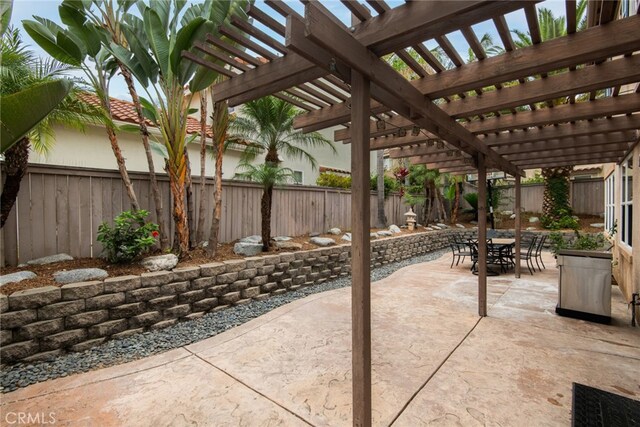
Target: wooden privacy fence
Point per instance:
(59, 210)
(587, 197)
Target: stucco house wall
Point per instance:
(92, 150)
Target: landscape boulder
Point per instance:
(394, 229)
(160, 262)
(322, 241)
(247, 248)
(347, 237)
(251, 239)
(314, 234)
(512, 216)
(79, 275)
(534, 219)
(460, 226)
(50, 259)
(280, 239)
(442, 226)
(384, 233)
(288, 245)
(16, 277)
(597, 225)
(335, 231)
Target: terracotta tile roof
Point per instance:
(334, 170)
(125, 111)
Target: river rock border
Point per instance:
(41, 323)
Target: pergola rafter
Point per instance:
(493, 113)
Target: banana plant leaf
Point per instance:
(22, 111)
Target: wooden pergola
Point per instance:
(494, 113)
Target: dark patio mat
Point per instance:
(599, 408)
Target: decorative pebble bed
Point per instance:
(145, 344)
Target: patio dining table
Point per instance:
(500, 251)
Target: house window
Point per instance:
(297, 177)
(609, 202)
(626, 204)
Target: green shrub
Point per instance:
(130, 236)
(390, 184)
(583, 242)
(327, 179)
(563, 220)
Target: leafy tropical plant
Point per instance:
(268, 175)
(80, 44)
(266, 126)
(129, 237)
(23, 79)
(154, 56)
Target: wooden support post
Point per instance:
(518, 224)
(360, 251)
(482, 236)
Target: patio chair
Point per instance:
(538, 253)
(529, 255)
(459, 250)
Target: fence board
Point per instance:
(84, 214)
(62, 215)
(37, 215)
(49, 206)
(73, 204)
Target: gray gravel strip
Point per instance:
(149, 343)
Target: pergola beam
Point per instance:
(427, 20)
(415, 22)
(614, 124)
(583, 47)
(559, 114)
(544, 116)
(610, 73)
(609, 141)
(593, 44)
(320, 30)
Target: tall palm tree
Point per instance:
(21, 69)
(266, 125)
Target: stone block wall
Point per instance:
(40, 323)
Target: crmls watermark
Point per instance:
(29, 418)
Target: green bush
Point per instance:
(583, 242)
(130, 236)
(333, 180)
(562, 221)
(390, 184)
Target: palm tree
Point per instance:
(267, 175)
(80, 45)
(266, 125)
(22, 70)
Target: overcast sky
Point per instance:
(25, 9)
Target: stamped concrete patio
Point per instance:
(434, 362)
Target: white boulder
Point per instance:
(160, 262)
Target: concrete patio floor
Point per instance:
(434, 362)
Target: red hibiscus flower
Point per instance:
(155, 234)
